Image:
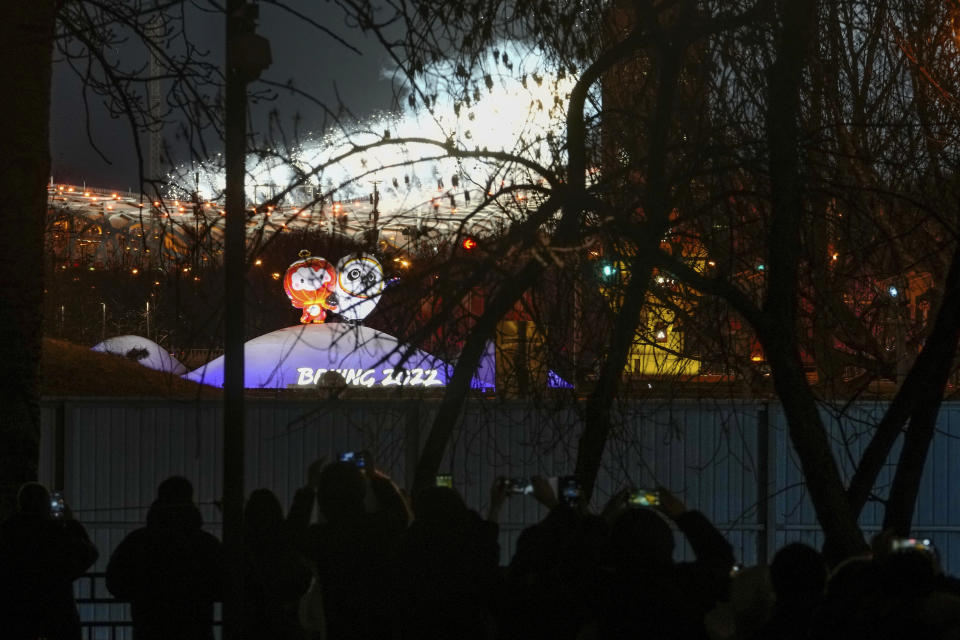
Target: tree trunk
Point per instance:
(778, 330)
(902, 500)
(26, 35)
(657, 204)
(809, 439)
(919, 398)
(459, 385)
(935, 363)
(596, 427)
(234, 258)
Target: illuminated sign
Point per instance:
(415, 377)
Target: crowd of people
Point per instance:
(373, 563)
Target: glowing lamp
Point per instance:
(468, 244)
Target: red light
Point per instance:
(468, 244)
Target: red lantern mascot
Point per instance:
(308, 283)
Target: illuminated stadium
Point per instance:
(340, 183)
(389, 185)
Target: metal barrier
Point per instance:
(89, 601)
(99, 619)
(730, 459)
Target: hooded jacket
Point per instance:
(171, 571)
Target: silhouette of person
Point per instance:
(447, 573)
(353, 549)
(798, 574)
(554, 578)
(650, 595)
(171, 571)
(275, 575)
(748, 609)
(41, 554)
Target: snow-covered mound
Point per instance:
(142, 351)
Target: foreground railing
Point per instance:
(103, 617)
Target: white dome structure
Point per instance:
(143, 351)
(299, 356)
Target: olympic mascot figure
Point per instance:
(309, 282)
(358, 287)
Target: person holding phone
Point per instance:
(41, 554)
(650, 595)
(556, 573)
(362, 515)
(447, 573)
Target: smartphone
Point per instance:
(519, 486)
(568, 490)
(56, 504)
(445, 480)
(908, 544)
(355, 457)
(644, 498)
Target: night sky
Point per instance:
(315, 61)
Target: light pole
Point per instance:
(247, 56)
(374, 238)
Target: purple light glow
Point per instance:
(296, 357)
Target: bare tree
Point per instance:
(780, 152)
(708, 171)
(27, 52)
